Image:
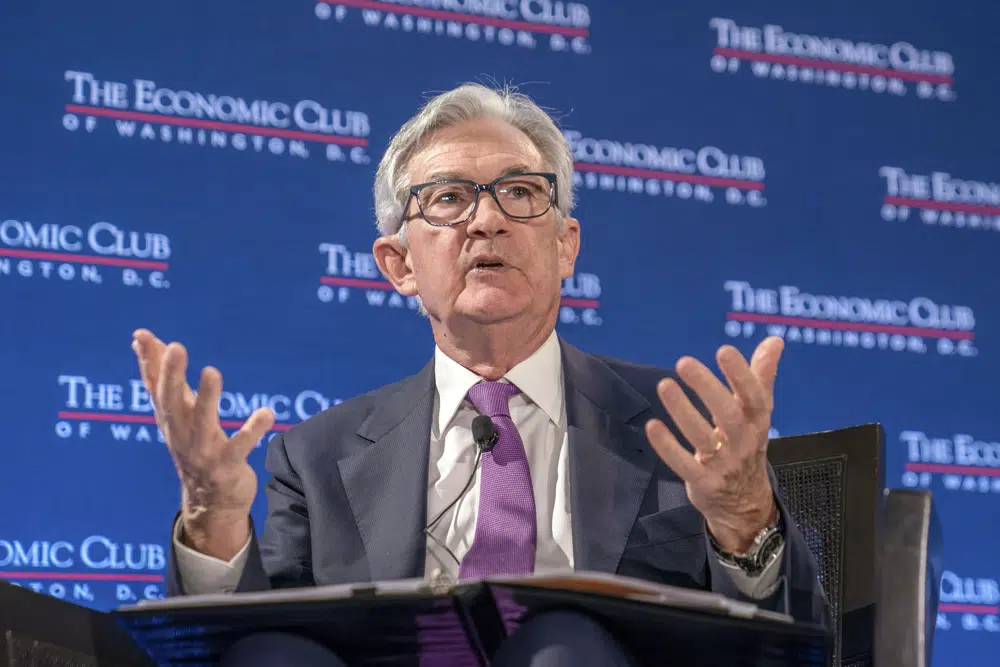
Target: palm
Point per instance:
(726, 477)
(212, 466)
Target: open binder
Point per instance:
(437, 623)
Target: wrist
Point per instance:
(736, 534)
(219, 535)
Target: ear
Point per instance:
(394, 262)
(569, 246)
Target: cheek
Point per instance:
(548, 257)
(435, 269)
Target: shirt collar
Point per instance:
(539, 377)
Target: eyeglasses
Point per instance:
(451, 202)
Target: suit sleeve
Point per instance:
(280, 557)
(797, 591)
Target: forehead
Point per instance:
(480, 149)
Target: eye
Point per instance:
(445, 197)
(518, 190)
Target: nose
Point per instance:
(488, 220)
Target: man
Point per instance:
(473, 199)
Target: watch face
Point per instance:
(770, 547)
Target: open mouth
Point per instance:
(489, 265)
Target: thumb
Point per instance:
(764, 362)
(253, 429)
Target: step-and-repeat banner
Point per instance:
(205, 170)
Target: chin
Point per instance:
(491, 308)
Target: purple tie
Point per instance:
(505, 525)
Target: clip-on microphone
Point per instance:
(484, 433)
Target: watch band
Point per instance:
(761, 553)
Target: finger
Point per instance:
(172, 387)
(725, 409)
(764, 362)
(149, 350)
(206, 404)
(689, 420)
(671, 452)
(253, 429)
(745, 384)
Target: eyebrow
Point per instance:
(456, 175)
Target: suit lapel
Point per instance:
(610, 460)
(386, 482)
(610, 465)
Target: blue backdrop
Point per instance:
(204, 170)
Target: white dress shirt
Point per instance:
(539, 411)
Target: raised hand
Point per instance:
(218, 486)
(726, 478)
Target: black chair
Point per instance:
(909, 580)
(831, 482)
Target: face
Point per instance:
(491, 268)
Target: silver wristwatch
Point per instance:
(761, 553)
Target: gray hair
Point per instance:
(468, 102)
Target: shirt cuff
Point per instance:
(760, 586)
(201, 574)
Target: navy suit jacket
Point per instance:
(348, 493)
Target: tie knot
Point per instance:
(492, 398)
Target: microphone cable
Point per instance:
(485, 435)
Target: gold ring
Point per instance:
(719, 441)
(720, 438)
